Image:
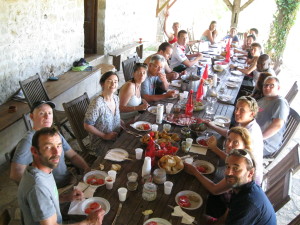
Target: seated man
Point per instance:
(42, 116)
(252, 31)
(248, 203)
(263, 65)
(37, 193)
(272, 115)
(166, 50)
(179, 59)
(232, 35)
(246, 46)
(156, 81)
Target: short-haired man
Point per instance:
(156, 81)
(37, 193)
(179, 59)
(232, 35)
(42, 116)
(165, 49)
(248, 203)
(246, 46)
(272, 115)
(263, 65)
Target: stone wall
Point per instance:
(38, 37)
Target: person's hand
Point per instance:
(72, 196)
(110, 136)
(171, 94)
(143, 106)
(212, 142)
(183, 73)
(207, 122)
(199, 55)
(190, 169)
(167, 14)
(173, 75)
(96, 217)
(162, 77)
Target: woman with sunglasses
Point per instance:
(102, 119)
(130, 94)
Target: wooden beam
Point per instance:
(229, 5)
(246, 4)
(159, 9)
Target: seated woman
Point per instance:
(172, 37)
(102, 119)
(130, 94)
(211, 33)
(258, 89)
(237, 138)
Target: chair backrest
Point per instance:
(292, 93)
(280, 193)
(34, 90)
(28, 122)
(291, 126)
(290, 161)
(75, 111)
(127, 66)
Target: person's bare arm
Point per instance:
(154, 98)
(77, 160)
(95, 131)
(165, 83)
(16, 171)
(273, 128)
(169, 35)
(190, 63)
(216, 128)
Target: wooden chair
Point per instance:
(75, 111)
(290, 128)
(280, 193)
(127, 66)
(292, 93)
(290, 161)
(34, 91)
(295, 221)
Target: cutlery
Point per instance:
(195, 222)
(117, 215)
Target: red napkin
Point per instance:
(228, 45)
(227, 58)
(200, 91)
(205, 74)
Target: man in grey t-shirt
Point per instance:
(272, 115)
(37, 193)
(42, 116)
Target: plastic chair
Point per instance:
(34, 91)
(292, 93)
(127, 66)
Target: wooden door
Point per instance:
(90, 26)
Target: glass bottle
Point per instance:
(189, 107)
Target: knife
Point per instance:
(117, 215)
(195, 222)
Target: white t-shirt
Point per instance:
(178, 55)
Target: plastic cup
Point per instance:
(189, 142)
(168, 187)
(122, 192)
(132, 176)
(189, 160)
(181, 96)
(113, 174)
(186, 94)
(138, 153)
(109, 182)
(167, 127)
(154, 127)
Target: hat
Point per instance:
(39, 103)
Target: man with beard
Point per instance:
(37, 193)
(272, 115)
(248, 203)
(42, 116)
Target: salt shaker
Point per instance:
(159, 113)
(146, 169)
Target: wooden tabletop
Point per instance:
(134, 205)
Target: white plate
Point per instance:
(98, 174)
(239, 55)
(231, 84)
(236, 72)
(194, 204)
(225, 98)
(152, 109)
(199, 138)
(159, 221)
(176, 83)
(116, 154)
(103, 202)
(137, 124)
(210, 167)
(235, 79)
(222, 120)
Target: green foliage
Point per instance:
(284, 19)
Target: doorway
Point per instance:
(90, 26)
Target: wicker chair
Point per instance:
(34, 91)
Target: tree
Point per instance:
(284, 19)
(235, 8)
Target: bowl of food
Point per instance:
(202, 141)
(198, 128)
(218, 68)
(172, 164)
(204, 167)
(95, 178)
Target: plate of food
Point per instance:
(95, 178)
(218, 68)
(141, 126)
(237, 72)
(117, 155)
(188, 200)
(152, 109)
(222, 120)
(198, 128)
(202, 141)
(204, 167)
(225, 98)
(172, 164)
(160, 137)
(156, 221)
(179, 119)
(92, 204)
(231, 84)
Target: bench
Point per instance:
(117, 53)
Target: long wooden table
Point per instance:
(134, 205)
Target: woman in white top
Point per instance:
(130, 94)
